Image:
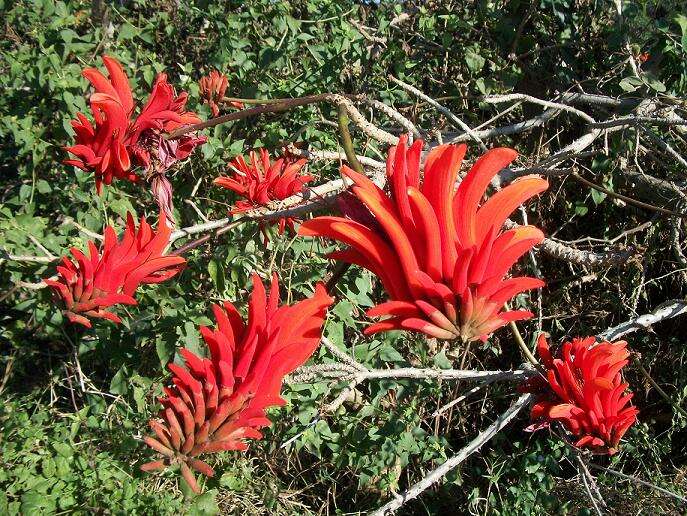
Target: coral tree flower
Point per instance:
(440, 253)
(212, 90)
(261, 182)
(219, 402)
(583, 389)
(102, 147)
(163, 113)
(117, 140)
(89, 285)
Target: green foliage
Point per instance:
(66, 435)
(56, 462)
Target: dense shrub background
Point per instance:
(69, 428)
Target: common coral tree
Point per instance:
(429, 301)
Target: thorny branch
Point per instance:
(667, 310)
(350, 370)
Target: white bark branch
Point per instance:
(349, 371)
(667, 310)
(453, 118)
(499, 99)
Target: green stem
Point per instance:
(523, 346)
(346, 141)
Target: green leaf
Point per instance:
(630, 84)
(655, 84)
(232, 481)
(205, 504)
(43, 186)
(681, 20)
(126, 31)
(581, 208)
(48, 467)
(441, 361)
(389, 354)
(216, 272)
(597, 196)
(118, 384)
(165, 345)
(63, 449)
(474, 60)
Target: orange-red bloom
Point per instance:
(217, 403)
(261, 182)
(163, 113)
(440, 254)
(103, 148)
(117, 139)
(89, 285)
(212, 90)
(584, 390)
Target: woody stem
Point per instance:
(347, 144)
(200, 241)
(253, 101)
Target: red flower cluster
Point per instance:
(217, 403)
(584, 391)
(441, 255)
(212, 90)
(91, 284)
(108, 147)
(262, 182)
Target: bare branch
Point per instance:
(30, 259)
(303, 202)
(631, 120)
(667, 310)
(349, 371)
(358, 119)
(639, 481)
(395, 115)
(345, 358)
(82, 229)
(453, 118)
(316, 155)
(499, 99)
(577, 256)
(519, 127)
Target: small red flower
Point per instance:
(89, 285)
(584, 391)
(164, 112)
(117, 140)
(440, 254)
(219, 402)
(262, 182)
(212, 90)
